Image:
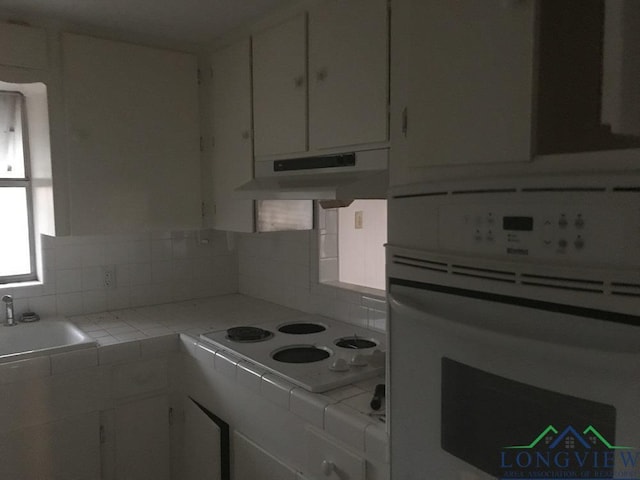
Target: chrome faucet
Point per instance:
(8, 305)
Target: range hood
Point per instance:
(344, 176)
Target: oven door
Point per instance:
(470, 375)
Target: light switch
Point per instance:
(358, 221)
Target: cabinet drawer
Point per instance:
(134, 379)
(251, 462)
(328, 460)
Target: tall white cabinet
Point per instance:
(232, 136)
(462, 76)
(132, 136)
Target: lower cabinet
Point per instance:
(251, 462)
(328, 460)
(205, 447)
(136, 441)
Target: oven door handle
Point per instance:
(453, 321)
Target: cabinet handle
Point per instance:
(405, 121)
(321, 75)
(299, 81)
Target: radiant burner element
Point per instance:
(355, 343)
(248, 334)
(301, 354)
(302, 328)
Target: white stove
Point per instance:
(313, 352)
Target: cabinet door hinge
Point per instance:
(201, 144)
(103, 435)
(211, 72)
(170, 413)
(199, 77)
(202, 213)
(213, 141)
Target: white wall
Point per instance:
(151, 268)
(361, 250)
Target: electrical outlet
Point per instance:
(109, 277)
(358, 220)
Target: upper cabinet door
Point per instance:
(133, 137)
(348, 73)
(23, 46)
(279, 88)
(231, 128)
(468, 75)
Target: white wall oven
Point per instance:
(515, 328)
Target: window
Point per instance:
(351, 244)
(17, 260)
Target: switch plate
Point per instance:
(358, 220)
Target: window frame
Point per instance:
(25, 183)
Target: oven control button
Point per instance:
(579, 221)
(562, 223)
(562, 243)
(579, 243)
(339, 365)
(358, 360)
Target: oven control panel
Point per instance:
(586, 233)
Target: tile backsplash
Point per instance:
(146, 269)
(283, 267)
(154, 268)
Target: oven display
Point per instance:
(517, 224)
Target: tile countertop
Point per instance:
(127, 335)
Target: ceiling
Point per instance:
(193, 21)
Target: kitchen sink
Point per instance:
(45, 337)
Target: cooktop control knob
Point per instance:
(358, 360)
(339, 365)
(327, 467)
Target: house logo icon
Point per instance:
(570, 453)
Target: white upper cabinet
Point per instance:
(231, 129)
(280, 88)
(348, 73)
(335, 60)
(588, 92)
(462, 81)
(133, 137)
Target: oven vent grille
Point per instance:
(563, 189)
(563, 283)
(520, 278)
(419, 263)
(625, 289)
(484, 273)
(483, 191)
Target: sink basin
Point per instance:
(45, 337)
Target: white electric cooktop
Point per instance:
(313, 352)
